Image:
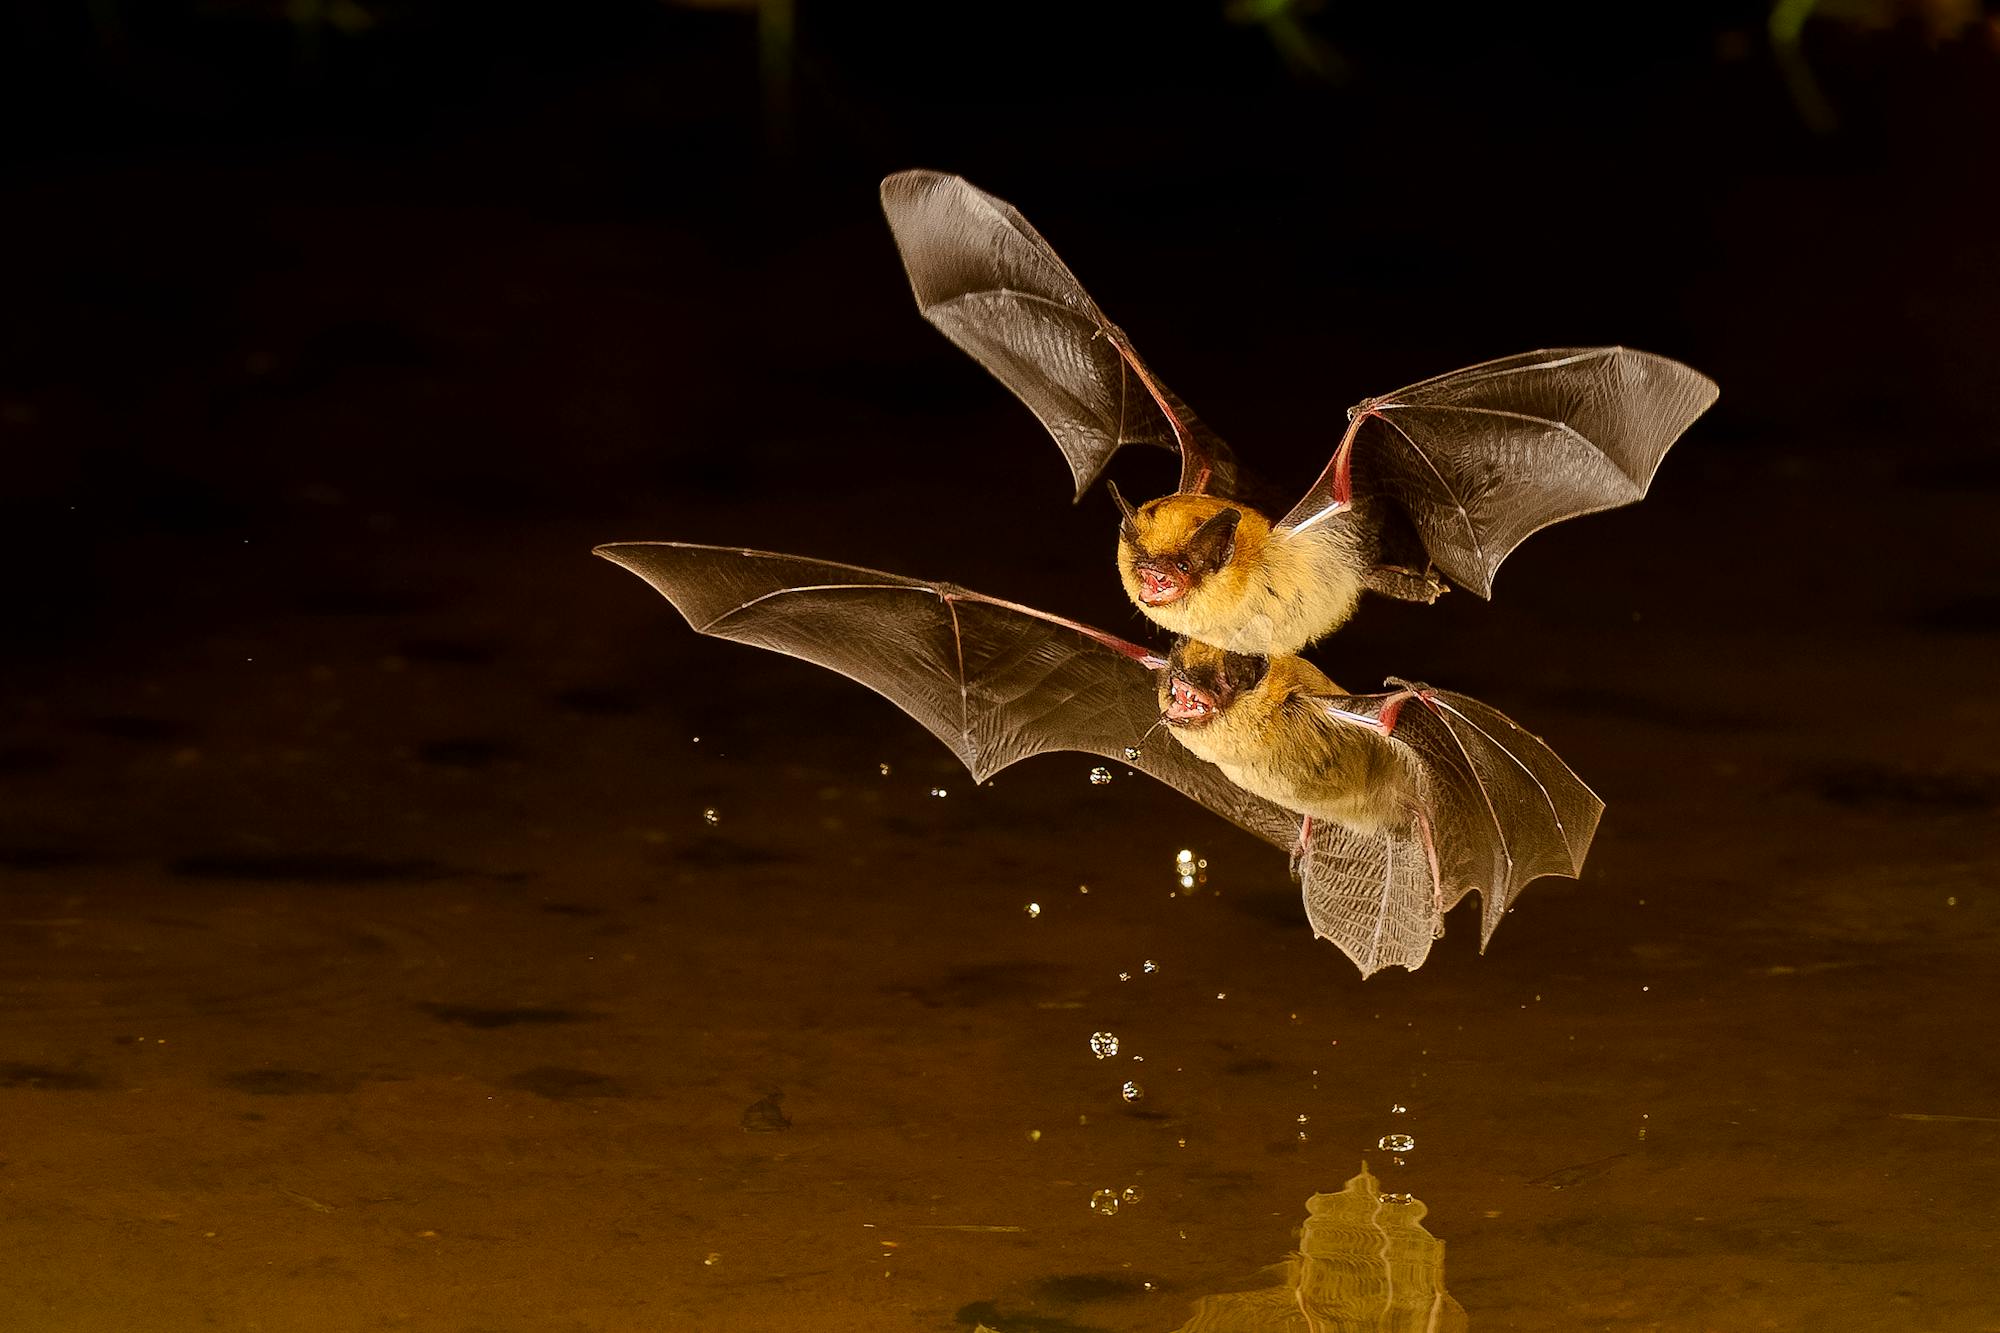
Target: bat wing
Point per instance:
(997, 682)
(1504, 810)
(991, 284)
(1483, 457)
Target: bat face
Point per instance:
(1185, 560)
(1202, 683)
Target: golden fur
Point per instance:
(1279, 592)
(1275, 740)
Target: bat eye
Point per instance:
(1181, 565)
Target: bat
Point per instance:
(998, 682)
(1445, 477)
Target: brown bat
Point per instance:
(1416, 796)
(1449, 474)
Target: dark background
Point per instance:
(365, 955)
(279, 272)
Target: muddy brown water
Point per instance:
(403, 983)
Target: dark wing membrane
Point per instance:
(998, 682)
(991, 284)
(1504, 809)
(1483, 457)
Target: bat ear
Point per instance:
(1129, 528)
(1214, 541)
(1244, 672)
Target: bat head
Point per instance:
(1203, 682)
(1171, 548)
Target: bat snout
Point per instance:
(1158, 585)
(1187, 703)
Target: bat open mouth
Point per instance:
(1186, 705)
(1158, 587)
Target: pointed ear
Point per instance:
(1214, 541)
(1129, 528)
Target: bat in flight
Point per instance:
(1449, 474)
(1396, 804)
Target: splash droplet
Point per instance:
(1104, 1045)
(1149, 967)
(1034, 1136)
(1396, 1143)
(938, 792)
(1131, 1194)
(712, 1260)
(1124, 976)
(711, 816)
(884, 769)
(1033, 910)
(1303, 1117)
(1105, 1201)
(1132, 753)
(1131, 1092)
(1100, 776)
(1398, 1109)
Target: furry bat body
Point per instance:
(1399, 804)
(1449, 474)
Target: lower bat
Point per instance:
(1396, 805)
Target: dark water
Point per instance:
(367, 961)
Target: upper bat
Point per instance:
(997, 682)
(1470, 463)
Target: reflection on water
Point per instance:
(1365, 1262)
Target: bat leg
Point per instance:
(1437, 878)
(1302, 854)
(1405, 585)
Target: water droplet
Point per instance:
(1398, 1109)
(1131, 1194)
(1131, 1092)
(1132, 752)
(1034, 910)
(1105, 1201)
(884, 768)
(1180, 1143)
(1034, 1136)
(1149, 967)
(1303, 1117)
(1396, 1198)
(1397, 1161)
(1396, 1143)
(1104, 1045)
(1951, 902)
(938, 792)
(711, 816)
(1149, 1286)
(1124, 976)
(1184, 857)
(712, 1260)
(695, 740)
(1083, 888)
(1222, 995)
(1100, 776)
(1302, 1136)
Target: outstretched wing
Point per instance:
(1503, 809)
(1481, 458)
(997, 682)
(991, 284)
